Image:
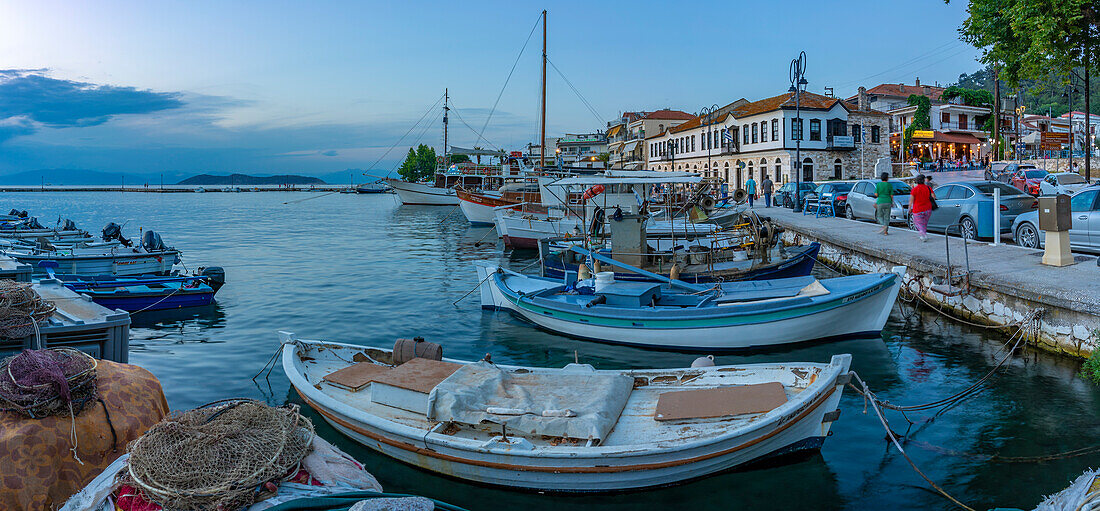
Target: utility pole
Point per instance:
(542, 129)
(1088, 114)
(996, 116)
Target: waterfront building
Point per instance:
(1077, 118)
(757, 138)
(531, 152)
(620, 142)
(581, 150)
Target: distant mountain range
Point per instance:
(244, 179)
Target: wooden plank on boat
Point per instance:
(418, 374)
(357, 376)
(719, 402)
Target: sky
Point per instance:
(267, 87)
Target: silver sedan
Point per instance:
(1084, 233)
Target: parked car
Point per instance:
(784, 196)
(836, 192)
(1062, 182)
(970, 206)
(1084, 232)
(1002, 171)
(1027, 180)
(861, 201)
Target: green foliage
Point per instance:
(1046, 95)
(922, 119)
(458, 158)
(970, 97)
(1090, 370)
(419, 164)
(604, 157)
(1032, 38)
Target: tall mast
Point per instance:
(542, 130)
(446, 108)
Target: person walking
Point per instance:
(750, 188)
(920, 204)
(766, 189)
(884, 200)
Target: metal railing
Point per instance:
(966, 252)
(955, 125)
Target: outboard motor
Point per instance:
(113, 231)
(13, 212)
(151, 241)
(68, 225)
(33, 224)
(215, 276)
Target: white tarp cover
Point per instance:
(520, 399)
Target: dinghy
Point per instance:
(673, 314)
(139, 294)
(571, 429)
(151, 257)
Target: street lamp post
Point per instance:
(798, 84)
(708, 114)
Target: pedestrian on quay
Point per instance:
(766, 189)
(884, 200)
(750, 188)
(920, 204)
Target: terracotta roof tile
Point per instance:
(904, 91)
(669, 114)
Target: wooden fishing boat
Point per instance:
(784, 262)
(480, 207)
(673, 314)
(573, 429)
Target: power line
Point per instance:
(943, 48)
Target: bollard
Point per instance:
(996, 216)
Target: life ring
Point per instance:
(592, 192)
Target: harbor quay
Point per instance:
(999, 285)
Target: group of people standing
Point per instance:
(767, 188)
(921, 203)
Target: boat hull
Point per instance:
(480, 209)
(797, 266)
(420, 194)
(803, 425)
(525, 231)
(860, 313)
(150, 302)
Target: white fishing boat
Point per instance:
(672, 314)
(422, 194)
(571, 429)
(112, 257)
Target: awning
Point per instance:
(655, 178)
(629, 146)
(956, 138)
(476, 152)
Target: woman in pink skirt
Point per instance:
(920, 205)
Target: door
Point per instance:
(948, 211)
(863, 204)
(1094, 224)
(1083, 215)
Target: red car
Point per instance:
(1028, 180)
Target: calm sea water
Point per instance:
(361, 269)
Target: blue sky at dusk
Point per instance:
(318, 87)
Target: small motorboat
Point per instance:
(115, 256)
(145, 293)
(571, 429)
(673, 314)
(374, 187)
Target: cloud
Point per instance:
(30, 100)
(330, 152)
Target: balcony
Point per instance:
(955, 125)
(843, 142)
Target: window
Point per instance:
(815, 129)
(764, 131)
(754, 138)
(945, 118)
(796, 129)
(857, 133)
(745, 129)
(808, 167)
(775, 129)
(964, 123)
(874, 134)
(1083, 201)
(838, 168)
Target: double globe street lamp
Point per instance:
(798, 85)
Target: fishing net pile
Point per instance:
(21, 309)
(40, 383)
(222, 457)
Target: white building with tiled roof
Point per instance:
(758, 138)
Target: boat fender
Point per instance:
(596, 301)
(583, 273)
(592, 192)
(674, 273)
(596, 267)
(405, 350)
(707, 361)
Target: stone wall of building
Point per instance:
(1062, 165)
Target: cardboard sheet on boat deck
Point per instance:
(357, 376)
(418, 374)
(595, 399)
(719, 402)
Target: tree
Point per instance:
(419, 164)
(922, 119)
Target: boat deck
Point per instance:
(635, 427)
